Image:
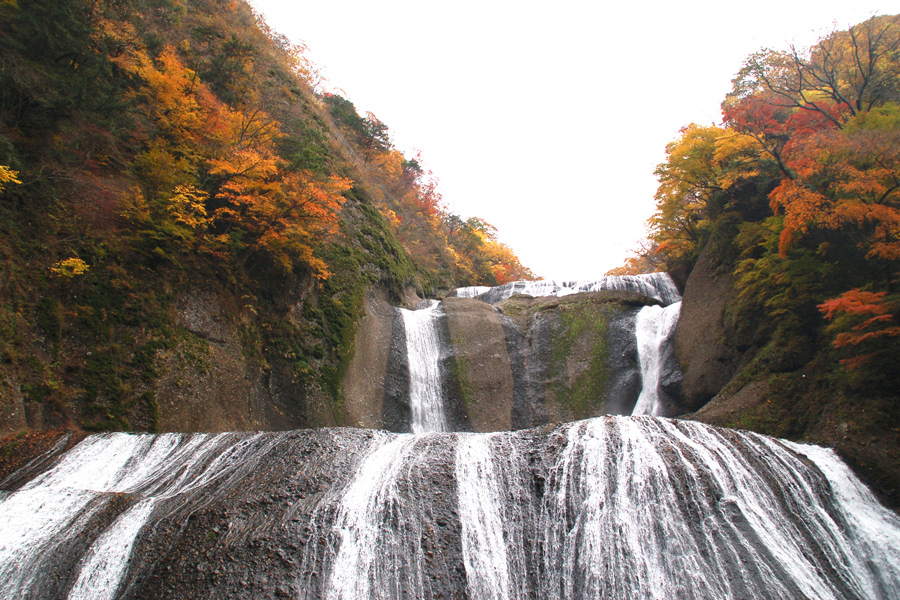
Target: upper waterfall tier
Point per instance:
(654, 328)
(423, 352)
(613, 507)
(655, 285)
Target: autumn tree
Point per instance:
(844, 179)
(7, 176)
(798, 191)
(842, 74)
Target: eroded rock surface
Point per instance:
(702, 338)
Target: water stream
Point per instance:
(612, 507)
(424, 352)
(481, 510)
(654, 328)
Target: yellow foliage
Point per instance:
(390, 164)
(188, 206)
(134, 207)
(7, 175)
(736, 156)
(70, 268)
(161, 170)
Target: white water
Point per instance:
(37, 520)
(654, 328)
(366, 565)
(667, 509)
(62, 499)
(375, 560)
(471, 291)
(481, 510)
(613, 507)
(423, 344)
(106, 562)
(873, 530)
(656, 285)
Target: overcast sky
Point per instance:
(547, 119)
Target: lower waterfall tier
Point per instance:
(612, 507)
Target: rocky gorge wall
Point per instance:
(516, 363)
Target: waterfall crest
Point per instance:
(658, 286)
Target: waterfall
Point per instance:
(653, 329)
(651, 508)
(873, 528)
(367, 564)
(107, 560)
(472, 291)
(44, 519)
(423, 344)
(481, 512)
(612, 507)
(658, 286)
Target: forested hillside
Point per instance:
(157, 154)
(792, 206)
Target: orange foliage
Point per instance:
(843, 179)
(282, 213)
(863, 317)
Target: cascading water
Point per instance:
(658, 286)
(482, 503)
(43, 519)
(424, 352)
(105, 564)
(613, 507)
(654, 328)
(376, 559)
(369, 552)
(662, 509)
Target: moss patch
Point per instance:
(582, 338)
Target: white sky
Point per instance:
(547, 119)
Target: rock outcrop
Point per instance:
(365, 382)
(579, 354)
(482, 363)
(703, 344)
(208, 383)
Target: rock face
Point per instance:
(482, 363)
(365, 384)
(577, 355)
(520, 363)
(703, 343)
(207, 383)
